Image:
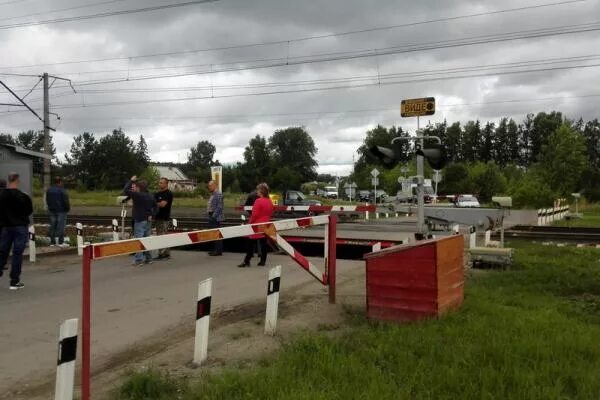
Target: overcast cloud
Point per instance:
(337, 119)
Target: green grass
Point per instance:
(529, 333)
(590, 218)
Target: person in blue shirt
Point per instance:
(57, 201)
(214, 210)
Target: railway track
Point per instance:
(576, 234)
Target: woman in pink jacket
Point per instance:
(262, 210)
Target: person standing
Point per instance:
(2, 187)
(215, 214)
(262, 211)
(57, 201)
(15, 209)
(144, 209)
(164, 200)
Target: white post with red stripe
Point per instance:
(79, 228)
(115, 226)
(67, 351)
(174, 223)
(273, 285)
(202, 321)
(32, 249)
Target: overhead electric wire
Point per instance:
(338, 87)
(104, 14)
(275, 42)
(62, 10)
(327, 57)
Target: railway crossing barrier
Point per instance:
(97, 251)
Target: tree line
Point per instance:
(542, 157)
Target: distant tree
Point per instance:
(200, 160)
(531, 191)
(486, 144)
(453, 142)
(294, 150)
(34, 140)
(7, 138)
(563, 160)
(326, 178)
(471, 141)
(456, 179)
(525, 139)
(544, 125)
(82, 162)
(380, 136)
(258, 164)
(119, 159)
(142, 152)
(487, 180)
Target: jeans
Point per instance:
(213, 223)
(142, 229)
(162, 228)
(15, 236)
(57, 227)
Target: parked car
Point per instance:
(381, 196)
(364, 195)
(466, 200)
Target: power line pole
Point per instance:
(46, 121)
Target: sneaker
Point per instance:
(261, 264)
(148, 262)
(137, 263)
(64, 245)
(243, 265)
(17, 286)
(212, 253)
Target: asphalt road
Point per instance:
(129, 304)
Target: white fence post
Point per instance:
(376, 247)
(115, 226)
(174, 223)
(79, 228)
(67, 351)
(488, 237)
(32, 249)
(273, 285)
(472, 237)
(202, 321)
(367, 212)
(455, 228)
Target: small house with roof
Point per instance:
(178, 181)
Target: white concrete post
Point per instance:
(273, 285)
(67, 351)
(174, 223)
(79, 228)
(539, 217)
(472, 237)
(202, 321)
(115, 226)
(367, 212)
(455, 228)
(376, 247)
(32, 249)
(488, 237)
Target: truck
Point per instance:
(329, 192)
(408, 193)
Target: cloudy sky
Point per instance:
(227, 70)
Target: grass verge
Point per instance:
(528, 333)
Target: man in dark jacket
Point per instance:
(15, 209)
(57, 201)
(164, 201)
(144, 209)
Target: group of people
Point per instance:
(148, 209)
(155, 209)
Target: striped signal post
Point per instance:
(67, 351)
(32, 249)
(115, 227)
(79, 228)
(202, 321)
(273, 285)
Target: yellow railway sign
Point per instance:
(417, 107)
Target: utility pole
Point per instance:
(420, 181)
(46, 122)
